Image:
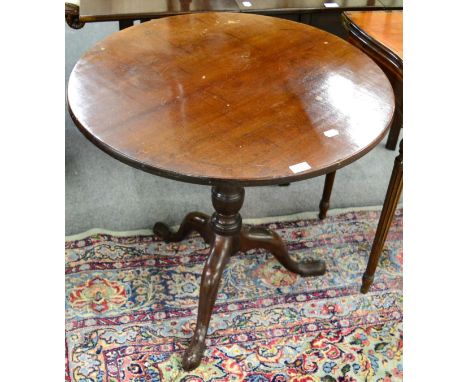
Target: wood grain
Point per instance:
(214, 98)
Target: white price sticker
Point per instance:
(300, 167)
(330, 5)
(331, 133)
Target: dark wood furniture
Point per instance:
(380, 35)
(230, 100)
(311, 12)
(305, 6)
(392, 198)
(72, 16)
(126, 11)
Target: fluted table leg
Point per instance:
(388, 211)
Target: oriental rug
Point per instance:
(131, 303)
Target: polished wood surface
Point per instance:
(216, 98)
(99, 10)
(380, 35)
(384, 28)
(230, 100)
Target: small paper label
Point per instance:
(303, 166)
(330, 5)
(331, 133)
(246, 3)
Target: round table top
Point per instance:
(236, 98)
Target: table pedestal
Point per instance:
(224, 232)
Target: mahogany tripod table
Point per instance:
(230, 100)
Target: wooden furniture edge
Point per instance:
(197, 179)
(76, 21)
(374, 48)
(139, 16)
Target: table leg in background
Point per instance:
(388, 211)
(327, 190)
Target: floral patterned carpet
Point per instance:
(131, 305)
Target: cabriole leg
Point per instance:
(225, 225)
(264, 238)
(194, 221)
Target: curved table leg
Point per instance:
(225, 225)
(388, 211)
(220, 252)
(256, 237)
(223, 230)
(194, 221)
(327, 190)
